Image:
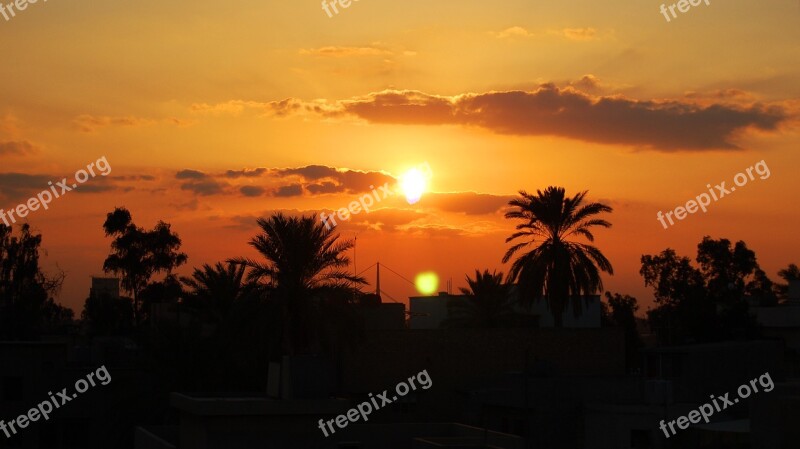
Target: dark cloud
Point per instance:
(190, 174)
(204, 188)
(310, 172)
(324, 187)
(566, 112)
(245, 173)
(135, 178)
(323, 179)
(469, 203)
(249, 221)
(252, 190)
(15, 185)
(100, 184)
(21, 185)
(17, 148)
(288, 191)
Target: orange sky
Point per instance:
(494, 96)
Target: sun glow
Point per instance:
(414, 183)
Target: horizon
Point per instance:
(208, 124)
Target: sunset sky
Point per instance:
(214, 113)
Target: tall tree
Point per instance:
(557, 268)
(26, 305)
(304, 270)
(487, 303)
(788, 274)
(137, 254)
(708, 302)
(725, 268)
(215, 289)
(105, 315)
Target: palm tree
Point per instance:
(557, 267)
(487, 304)
(217, 288)
(304, 271)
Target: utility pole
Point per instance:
(378, 281)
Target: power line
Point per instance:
(390, 297)
(398, 274)
(365, 269)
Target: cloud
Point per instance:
(18, 186)
(14, 185)
(190, 174)
(252, 191)
(324, 187)
(280, 182)
(233, 107)
(587, 83)
(135, 178)
(17, 148)
(101, 185)
(90, 123)
(323, 179)
(288, 191)
(345, 52)
(578, 34)
(513, 32)
(434, 231)
(204, 188)
(575, 34)
(245, 173)
(384, 219)
(672, 125)
(469, 203)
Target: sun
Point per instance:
(413, 183)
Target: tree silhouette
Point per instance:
(620, 311)
(557, 268)
(138, 254)
(304, 272)
(709, 302)
(104, 315)
(788, 274)
(488, 303)
(26, 305)
(215, 289)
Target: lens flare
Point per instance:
(427, 283)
